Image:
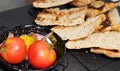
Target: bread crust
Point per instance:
(81, 3)
(50, 3)
(107, 52)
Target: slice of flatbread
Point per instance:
(80, 3)
(114, 21)
(49, 3)
(79, 31)
(106, 40)
(113, 16)
(107, 7)
(115, 27)
(106, 52)
(97, 4)
(64, 17)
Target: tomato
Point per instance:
(40, 56)
(13, 50)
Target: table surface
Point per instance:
(6, 5)
(78, 60)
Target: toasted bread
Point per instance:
(108, 28)
(49, 3)
(106, 52)
(97, 4)
(81, 3)
(113, 17)
(106, 40)
(79, 31)
(115, 27)
(64, 17)
(107, 7)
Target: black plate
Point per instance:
(26, 29)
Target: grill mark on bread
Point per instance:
(64, 17)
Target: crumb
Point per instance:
(86, 51)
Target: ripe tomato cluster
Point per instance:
(14, 50)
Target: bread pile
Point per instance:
(93, 24)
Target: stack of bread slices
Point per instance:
(93, 24)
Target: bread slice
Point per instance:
(115, 27)
(64, 17)
(97, 4)
(49, 3)
(79, 31)
(80, 3)
(113, 17)
(106, 40)
(107, 7)
(106, 52)
(114, 21)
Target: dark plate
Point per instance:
(26, 29)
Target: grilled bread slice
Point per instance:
(114, 21)
(113, 17)
(79, 31)
(64, 17)
(80, 3)
(107, 52)
(107, 7)
(106, 40)
(115, 27)
(49, 3)
(97, 4)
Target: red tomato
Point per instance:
(40, 56)
(13, 50)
